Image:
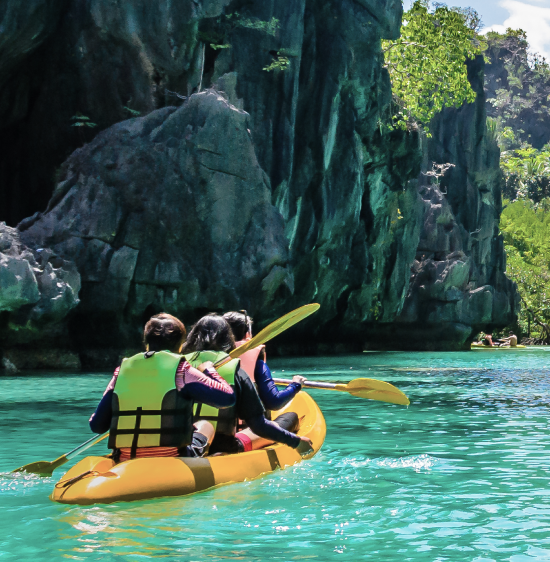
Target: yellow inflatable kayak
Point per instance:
(495, 348)
(100, 480)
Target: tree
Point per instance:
(525, 228)
(427, 63)
(526, 173)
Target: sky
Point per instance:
(533, 16)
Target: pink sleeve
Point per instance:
(181, 371)
(209, 378)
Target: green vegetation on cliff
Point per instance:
(525, 226)
(427, 63)
(517, 86)
(526, 173)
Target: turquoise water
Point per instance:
(460, 475)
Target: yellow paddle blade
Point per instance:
(44, 468)
(275, 328)
(376, 390)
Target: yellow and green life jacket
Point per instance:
(148, 410)
(224, 420)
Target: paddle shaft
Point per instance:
(313, 384)
(45, 468)
(370, 389)
(86, 445)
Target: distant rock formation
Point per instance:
(267, 189)
(517, 91)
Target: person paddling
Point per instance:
(488, 340)
(253, 362)
(148, 405)
(209, 340)
(511, 340)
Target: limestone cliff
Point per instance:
(458, 286)
(265, 190)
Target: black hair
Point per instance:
(164, 331)
(212, 333)
(240, 323)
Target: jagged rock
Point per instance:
(24, 359)
(458, 285)
(9, 367)
(37, 291)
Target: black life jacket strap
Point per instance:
(149, 431)
(136, 432)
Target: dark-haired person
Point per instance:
(511, 340)
(253, 362)
(209, 340)
(148, 405)
(487, 340)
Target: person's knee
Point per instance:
(205, 428)
(288, 421)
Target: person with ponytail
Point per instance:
(211, 339)
(254, 363)
(148, 404)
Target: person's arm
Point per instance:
(206, 387)
(271, 396)
(100, 421)
(270, 430)
(249, 407)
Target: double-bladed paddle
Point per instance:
(361, 388)
(46, 468)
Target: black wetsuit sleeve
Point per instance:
(100, 422)
(270, 430)
(248, 403)
(271, 396)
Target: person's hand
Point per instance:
(207, 365)
(299, 379)
(305, 447)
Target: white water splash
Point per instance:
(417, 462)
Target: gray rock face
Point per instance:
(458, 285)
(270, 189)
(166, 212)
(37, 291)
